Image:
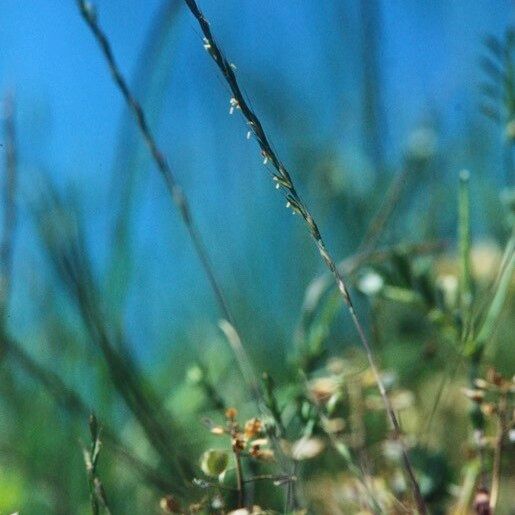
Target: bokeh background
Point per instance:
(351, 92)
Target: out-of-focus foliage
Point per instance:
(427, 250)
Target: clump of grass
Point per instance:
(227, 325)
(63, 237)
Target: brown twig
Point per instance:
(284, 182)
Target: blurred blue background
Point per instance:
(347, 89)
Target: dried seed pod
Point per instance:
(170, 504)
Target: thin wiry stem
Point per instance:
(284, 181)
(179, 199)
(64, 241)
(383, 215)
(502, 431)
(9, 207)
(176, 192)
(61, 392)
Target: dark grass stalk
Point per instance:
(175, 190)
(384, 214)
(152, 73)
(9, 207)
(66, 249)
(61, 393)
(64, 396)
(284, 181)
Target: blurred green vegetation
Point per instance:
(437, 299)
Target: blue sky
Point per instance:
(300, 64)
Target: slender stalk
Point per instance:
(384, 213)
(61, 392)
(502, 431)
(9, 207)
(175, 190)
(284, 181)
(239, 480)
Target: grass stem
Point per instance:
(175, 190)
(282, 177)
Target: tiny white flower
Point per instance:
(371, 283)
(234, 105)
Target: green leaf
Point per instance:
(214, 462)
